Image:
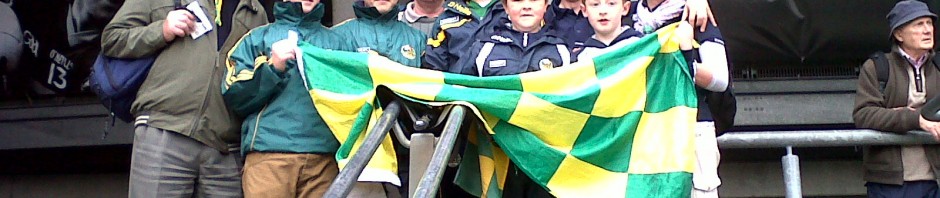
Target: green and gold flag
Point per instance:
(619, 125)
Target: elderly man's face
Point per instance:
(916, 35)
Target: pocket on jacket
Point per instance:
(881, 158)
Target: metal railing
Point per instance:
(347, 177)
(431, 179)
(426, 170)
(815, 138)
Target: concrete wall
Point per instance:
(342, 10)
(838, 178)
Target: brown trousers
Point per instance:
(288, 174)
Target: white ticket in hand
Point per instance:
(202, 23)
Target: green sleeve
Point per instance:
(250, 81)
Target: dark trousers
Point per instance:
(908, 189)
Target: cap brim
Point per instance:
(910, 17)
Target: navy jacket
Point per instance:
(455, 33)
(506, 52)
(572, 27)
(593, 47)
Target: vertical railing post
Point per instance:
(422, 148)
(431, 179)
(791, 174)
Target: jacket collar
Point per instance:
(626, 34)
(928, 58)
(504, 34)
(293, 13)
(372, 14)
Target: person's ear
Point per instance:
(897, 36)
(626, 7)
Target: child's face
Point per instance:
(526, 15)
(604, 15)
(308, 5)
(384, 6)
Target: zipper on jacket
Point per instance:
(254, 134)
(205, 100)
(918, 79)
(525, 40)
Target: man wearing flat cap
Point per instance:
(893, 105)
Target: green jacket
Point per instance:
(280, 113)
(384, 34)
(182, 90)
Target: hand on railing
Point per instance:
(931, 127)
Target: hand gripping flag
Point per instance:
(619, 125)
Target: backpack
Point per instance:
(723, 106)
(116, 82)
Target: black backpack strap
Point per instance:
(881, 70)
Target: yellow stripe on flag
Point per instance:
(420, 83)
(383, 163)
(561, 80)
(418, 91)
(340, 110)
(667, 40)
(557, 126)
(624, 91)
(487, 170)
(385, 71)
(650, 144)
(577, 178)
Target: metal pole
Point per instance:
(821, 138)
(347, 177)
(432, 177)
(791, 174)
(400, 135)
(421, 152)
